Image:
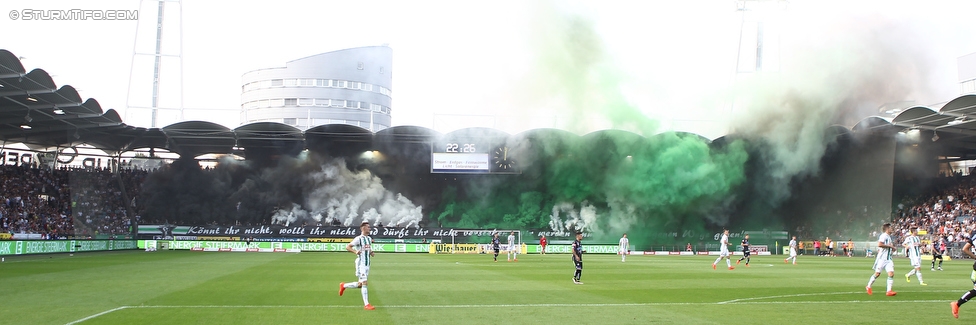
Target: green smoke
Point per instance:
(630, 178)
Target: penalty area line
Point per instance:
(97, 315)
(750, 300)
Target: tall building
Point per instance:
(351, 86)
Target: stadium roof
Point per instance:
(42, 116)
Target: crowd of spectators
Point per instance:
(947, 213)
(66, 202)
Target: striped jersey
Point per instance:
(364, 245)
(577, 250)
(624, 243)
(972, 242)
(793, 243)
(884, 253)
(914, 246)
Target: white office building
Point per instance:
(351, 86)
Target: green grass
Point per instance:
(182, 287)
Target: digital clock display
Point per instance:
(460, 156)
(472, 155)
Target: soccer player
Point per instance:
(723, 251)
(362, 247)
(968, 250)
(883, 261)
(745, 251)
(792, 251)
(850, 247)
(495, 245)
(913, 245)
(622, 247)
(543, 242)
(938, 248)
(578, 257)
(512, 248)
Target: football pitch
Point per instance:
(184, 287)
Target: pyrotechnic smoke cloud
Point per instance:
(302, 190)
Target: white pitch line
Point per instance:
(649, 304)
(743, 300)
(785, 296)
(96, 315)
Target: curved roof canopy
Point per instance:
(36, 112)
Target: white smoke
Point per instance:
(288, 216)
(584, 218)
(340, 195)
(623, 215)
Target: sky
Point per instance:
(460, 64)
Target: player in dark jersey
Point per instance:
(968, 250)
(494, 245)
(938, 248)
(578, 257)
(745, 251)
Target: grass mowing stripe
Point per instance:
(234, 288)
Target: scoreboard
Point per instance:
(471, 155)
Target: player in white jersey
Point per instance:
(362, 247)
(913, 245)
(623, 247)
(512, 248)
(792, 251)
(883, 262)
(723, 251)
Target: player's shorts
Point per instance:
(972, 276)
(362, 271)
(792, 251)
(746, 253)
(886, 265)
(496, 250)
(723, 252)
(916, 261)
(579, 264)
(512, 248)
(936, 256)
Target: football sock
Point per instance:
(747, 261)
(910, 272)
(940, 263)
(891, 280)
(871, 281)
(966, 296)
(351, 285)
(577, 274)
(717, 260)
(365, 296)
(919, 276)
(728, 261)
